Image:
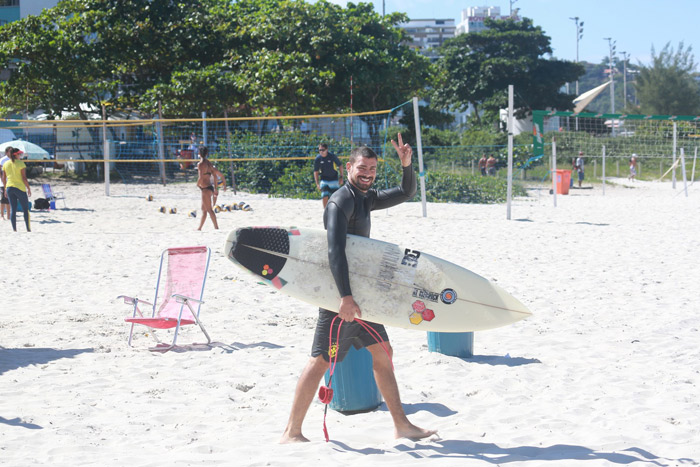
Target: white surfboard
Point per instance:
(392, 285)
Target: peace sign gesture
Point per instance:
(403, 150)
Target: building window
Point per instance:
(9, 3)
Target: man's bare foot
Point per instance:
(288, 439)
(413, 432)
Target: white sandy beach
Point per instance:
(605, 373)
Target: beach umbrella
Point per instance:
(31, 151)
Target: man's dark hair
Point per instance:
(323, 145)
(362, 151)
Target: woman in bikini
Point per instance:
(205, 170)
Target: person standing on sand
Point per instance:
(328, 172)
(578, 165)
(205, 171)
(218, 179)
(482, 165)
(633, 167)
(348, 212)
(17, 187)
(4, 202)
(491, 166)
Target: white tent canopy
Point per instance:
(584, 99)
(31, 151)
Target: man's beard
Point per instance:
(362, 185)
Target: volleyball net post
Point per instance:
(509, 190)
(421, 168)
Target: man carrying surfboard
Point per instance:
(348, 212)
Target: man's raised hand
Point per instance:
(403, 150)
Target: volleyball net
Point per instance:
(662, 145)
(271, 155)
(255, 154)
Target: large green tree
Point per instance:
(113, 51)
(148, 44)
(321, 46)
(667, 86)
(251, 57)
(54, 68)
(476, 68)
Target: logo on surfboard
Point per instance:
(426, 294)
(410, 257)
(420, 313)
(448, 296)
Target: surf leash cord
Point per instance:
(325, 393)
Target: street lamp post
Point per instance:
(611, 46)
(625, 57)
(579, 36)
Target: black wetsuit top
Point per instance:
(348, 211)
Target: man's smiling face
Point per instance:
(362, 172)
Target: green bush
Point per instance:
(293, 178)
(442, 187)
(264, 169)
(296, 182)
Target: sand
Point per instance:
(606, 371)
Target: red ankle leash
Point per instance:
(325, 393)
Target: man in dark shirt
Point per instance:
(348, 211)
(326, 168)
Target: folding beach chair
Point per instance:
(185, 275)
(51, 196)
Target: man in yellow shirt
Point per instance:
(17, 187)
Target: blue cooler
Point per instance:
(354, 388)
(19, 207)
(454, 344)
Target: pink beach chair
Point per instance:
(185, 276)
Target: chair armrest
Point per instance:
(181, 298)
(131, 300)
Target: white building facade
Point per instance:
(427, 35)
(473, 18)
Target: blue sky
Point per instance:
(636, 25)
